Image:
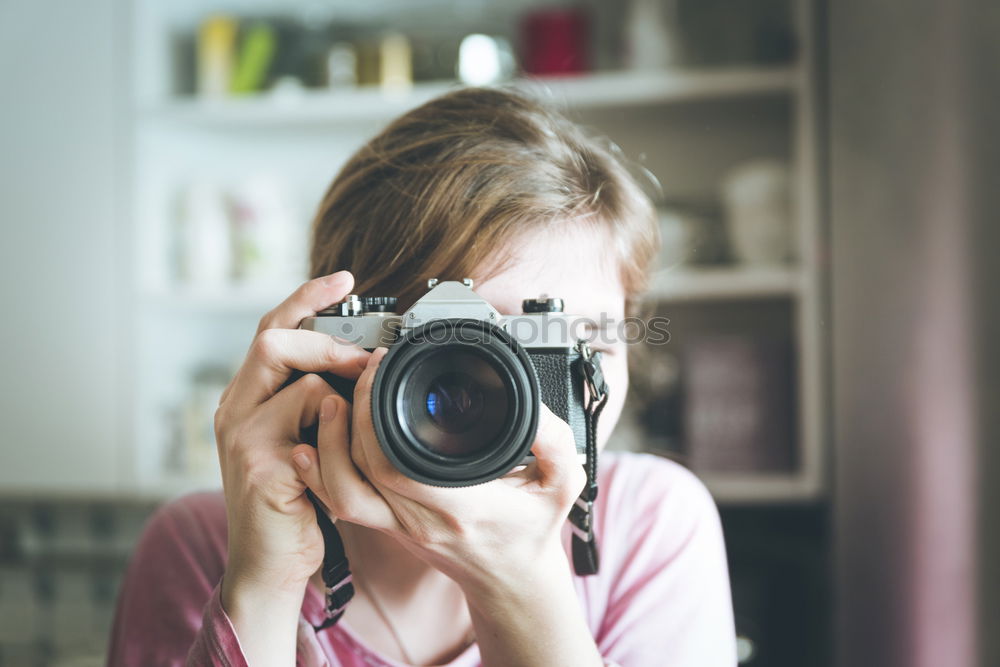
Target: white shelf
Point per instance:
(364, 105)
(709, 284)
(622, 89)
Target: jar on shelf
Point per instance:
(756, 197)
(203, 237)
(207, 385)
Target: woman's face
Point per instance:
(582, 271)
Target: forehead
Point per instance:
(580, 267)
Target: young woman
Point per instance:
(489, 185)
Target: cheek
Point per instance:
(616, 374)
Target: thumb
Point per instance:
(556, 460)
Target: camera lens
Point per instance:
(455, 403)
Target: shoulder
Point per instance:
(205, 508)
(643, 489)
(193, 525)
(655, 518)
(176, 565)
(663, 591)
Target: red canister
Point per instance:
(554, 41)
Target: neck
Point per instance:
(379, 561)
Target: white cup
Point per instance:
(756, 197)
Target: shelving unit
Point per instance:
(721, 115)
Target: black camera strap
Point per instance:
(586, 559)
(336, 570)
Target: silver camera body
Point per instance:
(455, 401)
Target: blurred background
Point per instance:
(825, 176)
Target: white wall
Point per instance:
(60, 190)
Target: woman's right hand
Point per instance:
(274, 541)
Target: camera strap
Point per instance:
(586, 559)
(336, 570)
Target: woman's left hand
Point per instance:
(480, 536)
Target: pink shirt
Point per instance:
(661, 598)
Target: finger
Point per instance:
(310, 298)
(363, 389)
(556, 462)
(225, 392)
(295, 407)
(306, 462)
(275, 353)
(377, 466)
(347, 494)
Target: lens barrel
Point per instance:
(455, 402)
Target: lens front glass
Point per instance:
(454, 401)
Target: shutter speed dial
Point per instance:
(379, 304)
(543, 304)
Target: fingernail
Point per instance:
(327, 409)
(302, 460)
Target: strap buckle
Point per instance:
(580, 517)
(591, 362)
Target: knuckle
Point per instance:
(343, 506)
(221, 428)
(313, 384)
(221, 420)
(267, 343)
(259, 472)
(252, 471)
(228, 432)
(572, 486)
(332, 351)
(266, 321)
(232, 436)
(562, 431)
